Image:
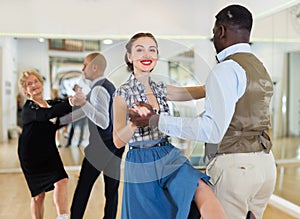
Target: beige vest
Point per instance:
(247, 131)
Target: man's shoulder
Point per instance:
(106, 86)
(104, 83)
(110, 83)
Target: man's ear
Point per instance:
(222, 30)
(95, 67)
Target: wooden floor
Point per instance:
(15, 197)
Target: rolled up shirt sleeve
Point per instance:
(224, 86)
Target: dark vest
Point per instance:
(105, 134)
(101, 148)
(248, 128)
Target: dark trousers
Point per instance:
(194, 212)
(87, 178)
(80, 123)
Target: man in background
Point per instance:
(101, 155)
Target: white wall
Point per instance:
(9, 88)
(294, 95)
(282, 26)
(94, 18)
(33, 54)
(274, 57)
(98, 18)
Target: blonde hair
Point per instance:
(25, 75)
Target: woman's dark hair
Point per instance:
(235, 15)
(129, 46)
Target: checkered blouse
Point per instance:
(134, 91)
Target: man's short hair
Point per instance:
(235, 15)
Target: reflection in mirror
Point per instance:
(64, 73)
(179, 64)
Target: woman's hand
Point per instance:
(141, 115)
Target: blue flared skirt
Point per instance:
(158, 183)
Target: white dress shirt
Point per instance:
(97, 109)
(224, 86)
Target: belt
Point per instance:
(148, 144)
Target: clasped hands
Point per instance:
(79, 99)
(143, 115)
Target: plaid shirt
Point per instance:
(134, 91)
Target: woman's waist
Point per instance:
(149, 143)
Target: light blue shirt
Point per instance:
(224, 86)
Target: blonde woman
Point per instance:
(39, 157)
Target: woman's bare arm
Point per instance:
(122, 131)
(185, 93)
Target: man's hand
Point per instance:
(143, 115)
(79, 99)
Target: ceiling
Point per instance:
(90, 19)
(260, 9)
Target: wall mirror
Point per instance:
(180, 63)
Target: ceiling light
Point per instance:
(41, 39)
(107, 42)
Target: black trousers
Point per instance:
(194, 212)
(87, 178)
(80, 123)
